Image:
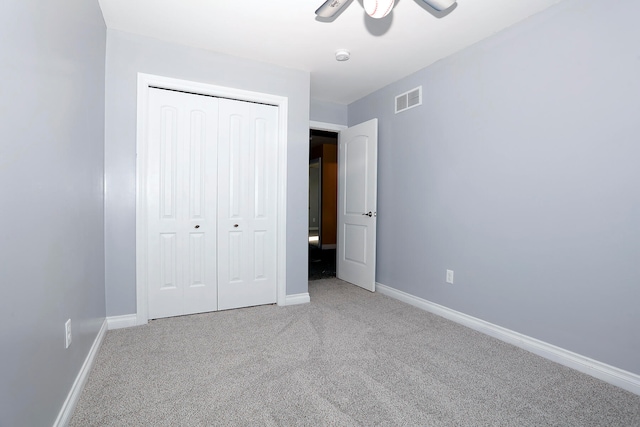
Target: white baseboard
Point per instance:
(70, 403)
(126, 321)
(297, 299)
(610, 374)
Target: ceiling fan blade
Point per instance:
(440, 5)
(330, 7)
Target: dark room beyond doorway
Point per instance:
(323, 200)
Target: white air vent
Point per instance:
(409, 99)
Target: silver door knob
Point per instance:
(369, 214)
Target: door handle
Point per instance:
(235, 225)
(197, 226)
(368, 214)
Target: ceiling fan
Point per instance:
(374, 8)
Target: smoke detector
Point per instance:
(342, 55)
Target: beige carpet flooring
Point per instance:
(348, 358)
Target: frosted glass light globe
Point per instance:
(378, 8)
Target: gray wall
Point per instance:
(521, 173)
(328, 112)
(51, 187)
(128, 54)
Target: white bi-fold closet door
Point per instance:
(211, 203)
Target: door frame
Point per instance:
(145, 82)
(331, 127)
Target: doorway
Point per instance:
(356, 207)
(323, 199)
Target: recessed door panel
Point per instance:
(356, 243)
(197, 164)
(197, 260)
(168, 267)
(261, 183)
(355, 155)
(259, 247)
(235, 256)
(235, 160)
(168, 147)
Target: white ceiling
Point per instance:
(287, 33)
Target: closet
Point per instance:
(211, 185)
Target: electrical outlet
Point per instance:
(67, 333)
(450, 276)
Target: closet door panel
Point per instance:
(247, 204)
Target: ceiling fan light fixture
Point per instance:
(378, 8)
(440, 5)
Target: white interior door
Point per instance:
(357, 204)
(247, 204)
(211, 203)
(181, 203)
